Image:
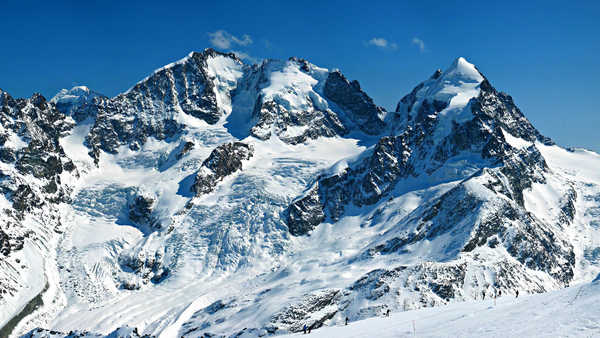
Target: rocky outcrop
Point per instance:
(141, 207)
(294, 127)
(313, 311)
(314, 103)
(33, 169)
(153, 106)
(122, 332)
(184, 149)
(306, 213)
(225, 160)
(31, 129)
(355, 102)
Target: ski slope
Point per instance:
(570, 312)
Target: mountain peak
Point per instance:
(448, 92)
(463, 70)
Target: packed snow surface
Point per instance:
(571, 312)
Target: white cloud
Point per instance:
(224, 40)
(379, 42)
(419, 43)
(382, 43)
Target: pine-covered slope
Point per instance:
(215, 197)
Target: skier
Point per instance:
(483, 294)
(499, 293)
(304, 329)
(387, 313)
(517, 292)
(346, 320)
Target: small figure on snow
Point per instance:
(483, 294)
(387, 313)
(499, 293)
(304, 329)
(346, 320)
(517, 293)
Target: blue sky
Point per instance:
(545, 54)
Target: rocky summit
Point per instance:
(216, 198)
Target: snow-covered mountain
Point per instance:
(220, 198)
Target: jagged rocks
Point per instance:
(297, 101)
(306, 213)
(185, 148)
(428, 140)
(152, 107)
(355, 102)
(294, 126)
(25, 200)
(363, 184)
(122, 332)
(141, 207)
(4, 243)
(313, 310)
(223, 161)
(30, 131)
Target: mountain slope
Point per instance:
(36, 179)
(565, 313)
(215, 197)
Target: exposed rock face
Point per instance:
(30, 132)
(225, 160)
(312, 102)
(34, 165)
(306, 213)
(359, 106)
(313, 310)
(122, 332)
(293, 100)
(152, 107)
(4, 243)
(141, 207)
(187, 146)
(275, 119)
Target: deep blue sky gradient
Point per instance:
(545, 54)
